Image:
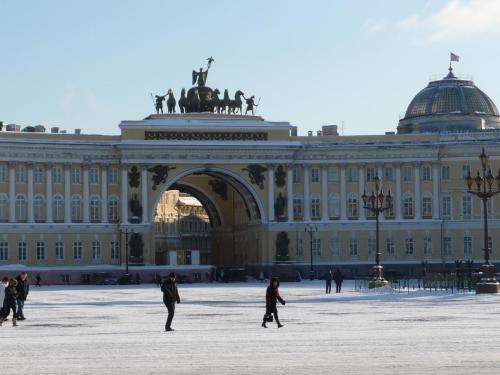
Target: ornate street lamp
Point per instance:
(311, 229)
(484, 182)
(377, 203)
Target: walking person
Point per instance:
(38, 279)
(10, 302)
(4, 284)
(170, 297)
(339, 279)
(23, 289)
(272, 296)
(328, 281)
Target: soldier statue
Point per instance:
(159, 103)
(250, 104)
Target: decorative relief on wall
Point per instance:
(256, 174)
(280, 176)
(134, 177)
(204, 136)
(160, 174)
(219, 187)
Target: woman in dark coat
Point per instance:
(170, 297)
(10, 302)
(338, 278)
(272, 296)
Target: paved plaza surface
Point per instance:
(119, 330)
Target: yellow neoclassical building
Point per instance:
(269, 197)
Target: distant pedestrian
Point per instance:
(23, 289)
(137, 278)
(339, 279)
(328, 281)
(170, 297)
(272, 296)
(261, 276)
(38, 279)
(4, 284)
(10, 302)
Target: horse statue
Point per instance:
(215, 102)
(194, 102)
(183, 102)
(225, 102)
(237, 103)
(171, 101)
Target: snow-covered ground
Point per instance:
(120, 330)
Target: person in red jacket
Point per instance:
(273, 295)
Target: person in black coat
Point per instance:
(328, 280)
(170, 297)
(23, 289)
(272, 296)
(10, 302)
(338, 278)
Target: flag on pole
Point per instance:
(454, 57)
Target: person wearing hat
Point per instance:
(10, 302)
(273, 295)
(170, 297)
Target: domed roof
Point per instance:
(446, 100)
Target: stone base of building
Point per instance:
(487, 287)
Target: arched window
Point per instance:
(39, 208)
(94, 209)
(408, 206)
(76, 208)
(334, 206)
(58, 208)
(20, 208)
(113, 209)
(4, 207)
(352, 206)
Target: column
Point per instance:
(67, 193)
(324, 193)
(397, 201)
(144, 186)
(31, 215)
(289, 192)
(270, 192)
(343, 194)
(12, 192)
(361, 189)
(418, 201)
(104, 193)
(48, 192)
(307, 198)
(86, 198)
(435, 190)
(124, 197)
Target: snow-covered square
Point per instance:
(120, 330)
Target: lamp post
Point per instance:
(311, 229)
(126, 251)
(377, 203)
(484, 182)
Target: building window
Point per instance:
(467, 246)
(75, 175)
(20, 208)
(426, 173)
(335, 247)
(77, 250)
(446, 205)
(4, 251)
(95, 209)
(427, 207)
(409, 246)
(300, 248)
(39, 175)
(20, 178)
(445, 173)
(3, 174)
(39, 208)
(370, 246)
(297, 207)
(4, 207)
(408, 207)
(446, 245)
(465, 170)
(334, 206)
(466, 206)
(314, 174)
(352, 206)
(316, 247)
(407, 174)
(96, 250)
(389, 247)
(22, 251)
(76, 208)
(40, 250)
(353, 247)
(113, 209)
(388, 174)
(113, 176)
(94, 176)
(59, 250)
(57, 175)
(352, 174)
(296, 174)
(115, 250)
(333, 174)
(58, 208)
(370, 174)
(315, 207)
(427, 246)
